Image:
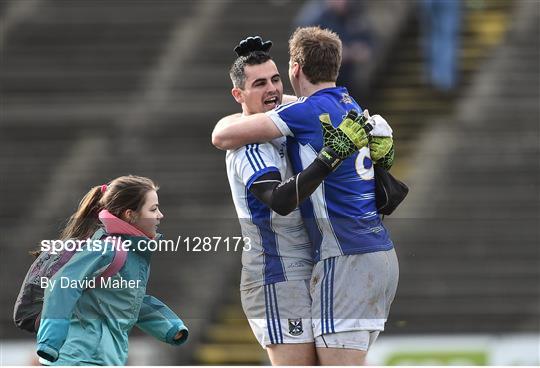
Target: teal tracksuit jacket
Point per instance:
(90, 326)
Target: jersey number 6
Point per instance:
(364, 165)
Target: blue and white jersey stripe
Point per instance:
(254, 157)
(280, 248)
(341, 215)
(283, 127)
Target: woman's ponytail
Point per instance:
(84, 222)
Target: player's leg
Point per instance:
(280, 316)
(338, 356)
(345, 348)
(292, 354)
(351, 324)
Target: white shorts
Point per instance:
(279, 313)
(353, 292)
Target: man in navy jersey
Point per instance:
(356, 272)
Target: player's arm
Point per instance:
(288, 99)
(284, 197)
(381, 144)
(339, 144)
(235, 131)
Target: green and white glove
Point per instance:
(379, 147)
(387, 160)
(343, 141)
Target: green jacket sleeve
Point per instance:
(158, 320)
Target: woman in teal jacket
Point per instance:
(87, 316)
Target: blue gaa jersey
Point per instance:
(340, 216)
(278, 248)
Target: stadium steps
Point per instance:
(56, 65)
(68, 74)
(64, 117)
(400, 93)
(3, 7)
(467, 237)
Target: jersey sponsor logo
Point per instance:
(298, 264)
(295, 327)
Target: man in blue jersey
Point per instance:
(278, 266)
(356, 272)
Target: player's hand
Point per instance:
(379, 147)
(343, 141)
(377, 126)
(381, 144)
(178, 335)
(348, 137)
(388, 160)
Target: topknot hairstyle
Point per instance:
(250, 51)
(251, 44)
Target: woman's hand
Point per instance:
(179, 335)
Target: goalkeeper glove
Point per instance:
(381, 144)
(379, 147)
(343, 141)
(388, 160)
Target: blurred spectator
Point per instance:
(344, 18)
(441, 20)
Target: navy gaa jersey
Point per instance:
(280, 246)
(340, 216)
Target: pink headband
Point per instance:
(103, 188)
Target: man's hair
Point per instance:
(237, 72)
(318, 51)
